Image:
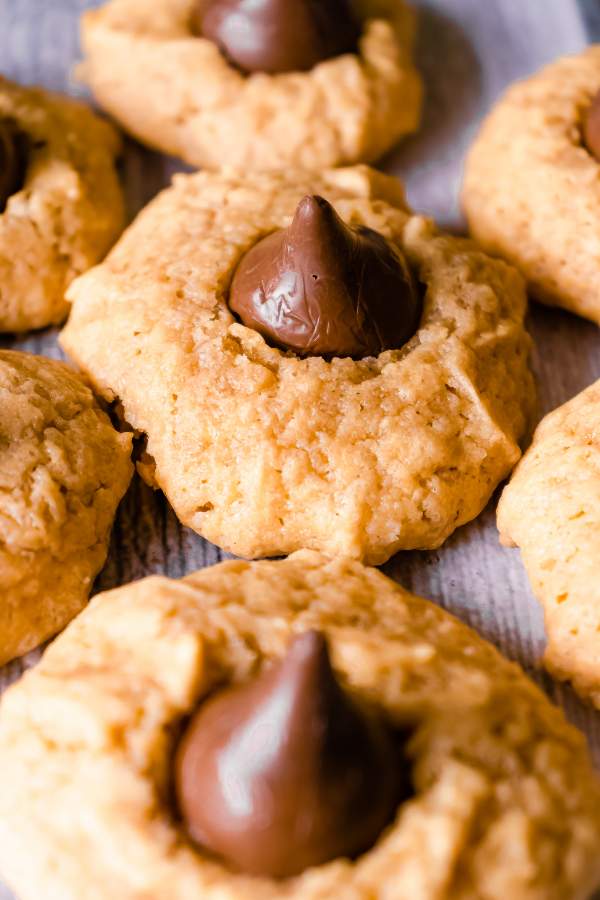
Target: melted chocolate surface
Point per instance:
(322, 288)
(285, 771)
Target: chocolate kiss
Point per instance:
(279, 35)
(286, 772)
(321, 288)
(12, 161)
(591, 127)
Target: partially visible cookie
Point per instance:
(504, 800)
(174, 89)
(551, 510)
(63, 207)
(63, 471)
(532, 185)
(264, 451)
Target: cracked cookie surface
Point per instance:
(68, 212)
(175, 90)
(551, 510)
(63, 471)
(505, 801)
(532, 189)
(264, 453)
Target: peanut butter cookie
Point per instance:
(372, 402)
(532, 183)
(501, 799)
(551, 510)
(154, 67)
(63, 471)
(60, 201)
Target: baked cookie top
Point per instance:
(532, 189)
(505, 801)
(551, 510)
(264, 452)
(67, 211)
(176, 91)
(63, 470)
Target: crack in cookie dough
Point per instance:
(68, 212)
(505, 805)
(551, 510)
(63, 471)
(264, 453)
(177, 92)
(532, 190)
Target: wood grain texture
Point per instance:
(468, 52)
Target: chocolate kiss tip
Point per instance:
(313, 205)
(292, 735)
(307, 664)
(314, 211)
(308, 645)
(315, 220)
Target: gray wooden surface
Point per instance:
(468, 51)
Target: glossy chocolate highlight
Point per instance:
(285, 771)
(322, 288)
